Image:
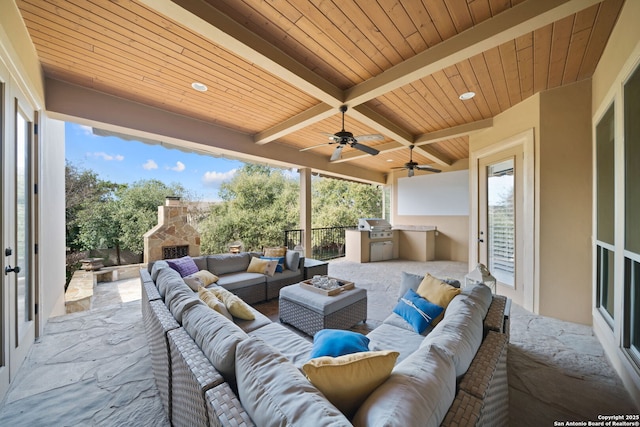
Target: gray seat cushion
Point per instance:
(233, 281)
(388, 337)
(292, 346)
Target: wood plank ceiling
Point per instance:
(279, 69)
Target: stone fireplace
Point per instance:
(173, 237)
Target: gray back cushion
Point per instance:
(292, 260)
(419, 392)
(167, 278)
(274, 392)
(156, 267)
(228, 263)
(481, 295)
(179, 299)
(216, 336)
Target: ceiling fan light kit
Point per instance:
(344, 137)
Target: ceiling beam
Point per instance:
(297, 122)
(508, 25)
(209, 22)
(69, 102)
(453, 132)
(219, 28)
(427, 138)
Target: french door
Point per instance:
(500, 219)
(502, 226)
(18, 295)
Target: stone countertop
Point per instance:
(414, 227)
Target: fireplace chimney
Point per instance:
(173, 237)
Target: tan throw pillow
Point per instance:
(200, 278)
(213, 302)
(275, 252)
(234, 304)
(257, 265)
(348, 380)
(270, 269)
(206, 277)
(438, 293)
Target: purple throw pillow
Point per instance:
(185, 265)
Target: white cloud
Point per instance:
(86, 130)
(107, 157)
(213, 178)
(149, 165)
(179, 167)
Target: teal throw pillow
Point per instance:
(336, 343)
(417, 311)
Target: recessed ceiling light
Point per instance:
(200, 87)
(389, 160)
(467, 95)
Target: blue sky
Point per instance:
(121, 161)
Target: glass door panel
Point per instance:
(23, 294)
(501, 223)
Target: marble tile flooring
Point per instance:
(93, 368)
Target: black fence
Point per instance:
(327, 243)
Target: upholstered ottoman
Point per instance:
(310, 312)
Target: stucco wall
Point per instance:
(452, 242)
(565, 203)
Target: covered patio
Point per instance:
(94, 367)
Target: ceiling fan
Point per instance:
(344, 138)
(411, 166)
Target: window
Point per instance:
(605, 220)
(631, 328)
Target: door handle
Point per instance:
(8, 270)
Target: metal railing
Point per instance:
(326, 243)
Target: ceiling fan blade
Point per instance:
(366, 149)
(410, 173)
(371, 137)
(337, 153)
(315, 146)
(428, 169)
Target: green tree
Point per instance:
(83, 192)
(136, 210)
(258, 203)
(341, 203)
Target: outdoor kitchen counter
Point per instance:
(416, 242)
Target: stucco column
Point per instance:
(305, 210)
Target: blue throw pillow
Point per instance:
(336, 343)
(280, 267)
(417, 311)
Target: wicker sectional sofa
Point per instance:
(213, 371)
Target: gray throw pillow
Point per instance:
(409, 281)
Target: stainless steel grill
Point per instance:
(378, 228)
